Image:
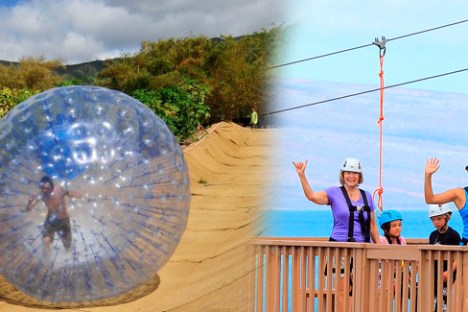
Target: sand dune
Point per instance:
(208, 271)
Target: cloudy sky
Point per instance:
(84, 30)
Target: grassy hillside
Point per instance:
(83, 73)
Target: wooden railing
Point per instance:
(312, 274)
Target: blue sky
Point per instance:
(320, 27)
(9, 3)
(422, 120)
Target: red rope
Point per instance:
(380, 190)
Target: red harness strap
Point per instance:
(379, 190)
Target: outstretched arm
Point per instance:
(32, 202)
(456, 195)
(320, 198)
(73, 194)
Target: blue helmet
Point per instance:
(389, 216)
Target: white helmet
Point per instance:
(438, 210)
(351, 164)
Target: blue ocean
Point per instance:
(319, 223)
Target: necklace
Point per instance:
(352, 194)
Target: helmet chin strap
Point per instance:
(445, 227)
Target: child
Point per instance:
(443, 235)
(457, 195)
(391, 223)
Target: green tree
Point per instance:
(238, 74)
(30, 73)
(158, 64)
(234, 69)
(9, 98)
(181, 107)
(7, 101)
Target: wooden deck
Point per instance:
(297, 274)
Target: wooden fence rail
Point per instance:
(313, 274)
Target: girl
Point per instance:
(391, 224)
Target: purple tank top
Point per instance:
(340, 211)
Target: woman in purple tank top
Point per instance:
(347, 203)
(352, 209)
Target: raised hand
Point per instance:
(432, 165)
(300, 166)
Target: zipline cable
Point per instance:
(367, 45)
(321, 56)
(364, 92)
(428, 30)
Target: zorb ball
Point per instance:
(120, 201)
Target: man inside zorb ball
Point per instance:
(95, 194)
(57, 220)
